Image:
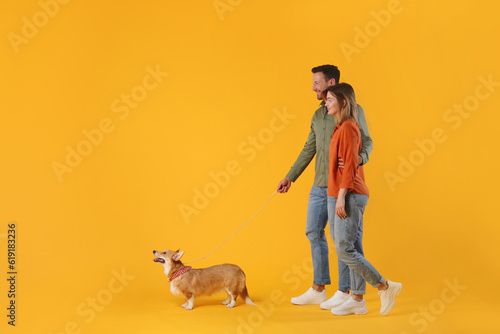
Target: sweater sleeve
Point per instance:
(348, 151)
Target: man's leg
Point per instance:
(317, 218)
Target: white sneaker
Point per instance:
(338, 299)
(388, 297)
(350, 306)
(311, 297)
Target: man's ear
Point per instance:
(331, 82)
(177, 255)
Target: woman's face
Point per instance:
(332, 104)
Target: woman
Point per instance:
(347, 198)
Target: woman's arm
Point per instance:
(348, 150)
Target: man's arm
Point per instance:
(366, 141)
(303, 160)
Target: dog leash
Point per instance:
(248, 221)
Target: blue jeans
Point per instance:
(347, 235)
(317, 218)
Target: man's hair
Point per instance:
(344, 92)
(330, 72)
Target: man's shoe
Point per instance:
(350, 306)
(388, 297)
(338, 299)
(311, 297)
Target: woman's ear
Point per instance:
(345, 103)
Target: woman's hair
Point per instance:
(344, 92)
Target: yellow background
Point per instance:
(226, 80)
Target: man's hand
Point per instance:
(284, 185)
(341, 162)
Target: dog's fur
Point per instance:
(227, 278)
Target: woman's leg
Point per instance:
(348, 245)
(357, 281)
(348, 232)
(345, 278)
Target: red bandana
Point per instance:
(179, 273)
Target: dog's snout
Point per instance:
(154, 252)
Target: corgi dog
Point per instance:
(190, 283)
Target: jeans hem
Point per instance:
(376, 285)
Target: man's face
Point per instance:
(319, 84)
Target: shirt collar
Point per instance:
(323, 106)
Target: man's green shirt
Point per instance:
(318, 143)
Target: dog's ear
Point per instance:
(177, 256)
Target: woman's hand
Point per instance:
(340, 206)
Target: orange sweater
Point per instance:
(346, 144)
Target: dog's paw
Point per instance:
(184, 305)
(225, 302)
(189, 307)
(231, 304)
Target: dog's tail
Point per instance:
(244, 295)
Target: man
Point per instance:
(318, 143)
